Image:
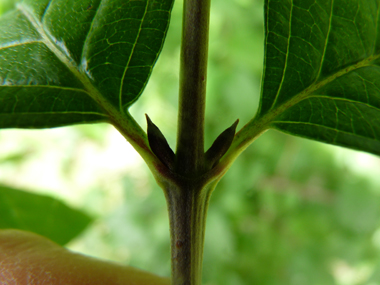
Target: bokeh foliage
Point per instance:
(40, 214)
(289, 211)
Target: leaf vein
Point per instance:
(54, 112)
(45, 86)
(326, 40)
(329, 97)
(130, 57)
(323, 126)
(287, 56)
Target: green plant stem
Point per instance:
(187, 197)
(187, 203)
(192, 91)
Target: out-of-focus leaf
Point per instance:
(40, 214)
(15, 157)
(6, 5)
(67, 61)
(321, 74)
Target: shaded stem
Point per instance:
(187, 196)
(187, 205)
(192, 92)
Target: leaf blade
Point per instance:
(321, 68)
(79, 44)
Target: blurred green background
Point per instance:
(289, 211)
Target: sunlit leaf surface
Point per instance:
(40, 214)
(321, 78)
(63, 61)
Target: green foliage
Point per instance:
(40, 214)
(64, 62)
(321, 71)
(285, 220)
(68, 62)
(286, 212)
(6, 5)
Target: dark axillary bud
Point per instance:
(220, 145)
(159, 145)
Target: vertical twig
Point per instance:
(192, 92)
(187, 197)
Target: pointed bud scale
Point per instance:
(220, 145)
(159, 145)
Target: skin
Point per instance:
(30, 259)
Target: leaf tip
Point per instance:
(159, 145)
(220, 145)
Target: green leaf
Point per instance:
(67, 61)
(40, 214)
(322, 71)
